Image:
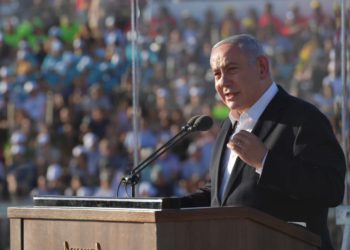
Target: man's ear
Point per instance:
(264, 67)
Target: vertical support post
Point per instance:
(135, 83)
(343, 212)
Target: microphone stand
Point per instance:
(133, 178)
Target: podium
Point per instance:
(100, 225)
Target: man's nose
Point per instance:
(224, 81)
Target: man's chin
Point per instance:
(232, 105)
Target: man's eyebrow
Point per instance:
(229, 64)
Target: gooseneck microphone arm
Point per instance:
(196, 123)
(183, 132)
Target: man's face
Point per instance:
(237, 80)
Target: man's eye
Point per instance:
(217, 75)
(232, 69)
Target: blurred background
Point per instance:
(69, 70)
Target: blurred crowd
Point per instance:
(66, 89)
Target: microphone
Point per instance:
(190, 122)
(196, 123)
(202, 123)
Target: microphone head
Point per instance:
(190, 123)
(192, 120)
(202, 123)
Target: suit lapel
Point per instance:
(267, 120)
(225, 132)
(239, 165)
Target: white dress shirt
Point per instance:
(245, 121)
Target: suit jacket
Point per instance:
(303, 174)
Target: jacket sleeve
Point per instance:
(314, 172)
(201, 198)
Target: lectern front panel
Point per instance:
(61, 234)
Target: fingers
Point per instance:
(248, 147)
(241, 139)
(243, 135)
(234, 145)
(237, 143)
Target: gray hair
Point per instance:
(247, 43)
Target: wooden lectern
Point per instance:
(94, 227)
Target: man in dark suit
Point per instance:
(274, 152)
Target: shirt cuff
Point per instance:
(259, 170)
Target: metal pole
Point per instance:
(135, 82)
(346, 232)
(344, 114)
(344, 77)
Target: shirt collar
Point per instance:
(254, 112)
